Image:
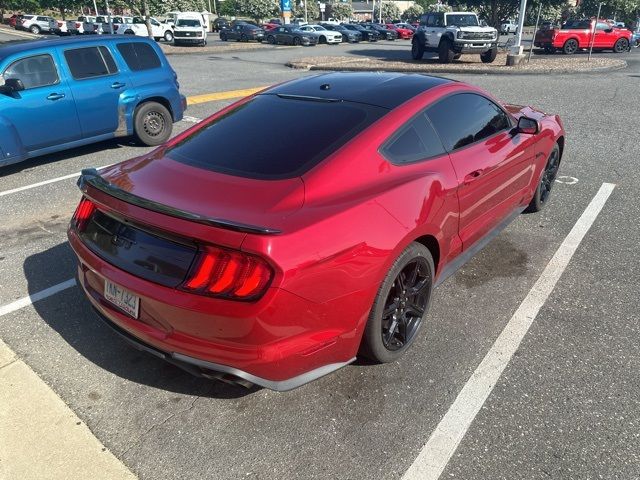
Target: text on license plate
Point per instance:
(121, 298)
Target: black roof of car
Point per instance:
(387, 90)
(26, 45)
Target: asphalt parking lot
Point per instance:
(566, 406)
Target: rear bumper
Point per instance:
(201, 368)
(280, 342)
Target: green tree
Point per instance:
(413, 12)
(17, 6)
(341, 10)
(622, 10)
(427, 5)
(313, 10)
(256, 9)
(390, 11)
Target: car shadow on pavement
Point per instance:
(71, 316)
(106, 145)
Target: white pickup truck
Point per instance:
(76, 27)
(159, 30)
(101, 24)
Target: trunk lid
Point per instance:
(264, 204)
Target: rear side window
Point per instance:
(90, 62)
(415, 141)
(466, 118)
(34, 72)
(576, 25)
(272, 137)
(139, 56)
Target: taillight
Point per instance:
(83, 214)
(78, 24)
(229, 274)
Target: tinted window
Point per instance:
(462, 19)
(90, 62)
(576, 25)
(415, 141)
(37, 71)
(466, 118)
(187, 23)
(274, 137)
(139, 56)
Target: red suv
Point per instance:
(577, 34)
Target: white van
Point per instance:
(190, 27)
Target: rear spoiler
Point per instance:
(90, 176)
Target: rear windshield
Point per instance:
(576, 25)
(271, 137)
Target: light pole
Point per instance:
(593, 32)
(518, 44)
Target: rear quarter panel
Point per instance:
(156, 83)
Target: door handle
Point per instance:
(472, 176)
(55, 96)
(117, 85)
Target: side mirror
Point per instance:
(528, 126)
(483, 23)
(11, 85)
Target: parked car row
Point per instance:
(330, 33)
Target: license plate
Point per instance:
(122, 298)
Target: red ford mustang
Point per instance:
(278, 265)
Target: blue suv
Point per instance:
(67, 92)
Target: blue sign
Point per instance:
(285, 5)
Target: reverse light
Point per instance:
(83, 214)
(229, 274)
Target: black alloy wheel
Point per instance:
(621, 45)
(543, 192)
(400, 306)
(296, 41)
(570, 46)
(406, 304)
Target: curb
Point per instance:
(463, 71)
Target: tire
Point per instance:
(35, 29)
(457, 56)
(296, 41)
(543, 190)
(621, 45)
(417, 49)
(271, 39)
(445, 52)
(243, 38)
(322, 39)
(489, 56)
(152, 124)
(549, 50)
(395, 310)
(129, 32)
(570, 46)
(168, 36)
(223, 37)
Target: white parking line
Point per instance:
(45, 182)
(190, 119)
(444, 440)
(186, 118)
(42, 294)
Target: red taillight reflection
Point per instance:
(83, 214)
(229, 274)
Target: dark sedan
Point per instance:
(291, 35)
(242, 32)
(367, 35)
(385, 33)
(351, 36)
